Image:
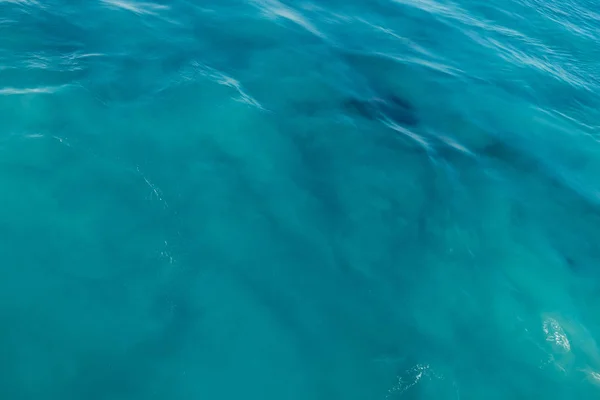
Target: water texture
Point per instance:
(263, 199)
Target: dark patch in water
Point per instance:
(401, 111)
(508, 154)
(363, 108)
(391, 107)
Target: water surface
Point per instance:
(299, 199)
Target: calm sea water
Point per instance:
(263, 199)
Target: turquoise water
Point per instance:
(263, 199)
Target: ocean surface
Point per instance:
(299, 200)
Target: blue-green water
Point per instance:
(263, 199)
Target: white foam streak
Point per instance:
(140, 8)
(274, 9)
(556, 335)
(10, 91)
(21, 2)
(455, 145)
(416, 374)
(408, 133)
(155, 193)
(225, 80)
